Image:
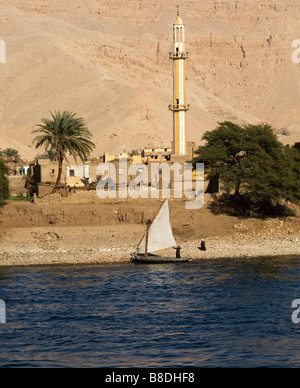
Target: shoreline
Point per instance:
(111, 263)
(218, 248)
(106, 233)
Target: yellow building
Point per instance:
(137, 159)
(156, 154)
(179, 106)
(110, 158)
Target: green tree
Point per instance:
(66, 135)
(4, 183)
(251, 163)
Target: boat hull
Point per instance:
(153, 259)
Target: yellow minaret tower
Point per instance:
(179, 107)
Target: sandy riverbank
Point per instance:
(114, 245)
(88, 233)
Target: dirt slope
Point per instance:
(108, 61)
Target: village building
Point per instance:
(74, 174)
(157, 154)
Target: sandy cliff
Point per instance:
(108, 61)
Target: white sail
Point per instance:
(160, 232)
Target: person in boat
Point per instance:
(178, 250)
(202, 246)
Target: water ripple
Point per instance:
(222, 313)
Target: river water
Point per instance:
(216, 313)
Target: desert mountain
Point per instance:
(109, 61)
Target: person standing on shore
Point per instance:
(202, 246)
(178, 254)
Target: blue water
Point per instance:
(222, 313)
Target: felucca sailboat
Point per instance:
(158, 236)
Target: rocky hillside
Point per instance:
(108, 61)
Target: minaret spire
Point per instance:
(179, 107)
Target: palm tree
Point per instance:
(11, 153)
(66, 135)
(51, 155)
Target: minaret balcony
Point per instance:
(179, 55)
(179, 107)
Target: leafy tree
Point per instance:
(251, 163)
(66, 135)
(4, 183)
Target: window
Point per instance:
(72, 173)
(177, 34)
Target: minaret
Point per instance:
(179, 107)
